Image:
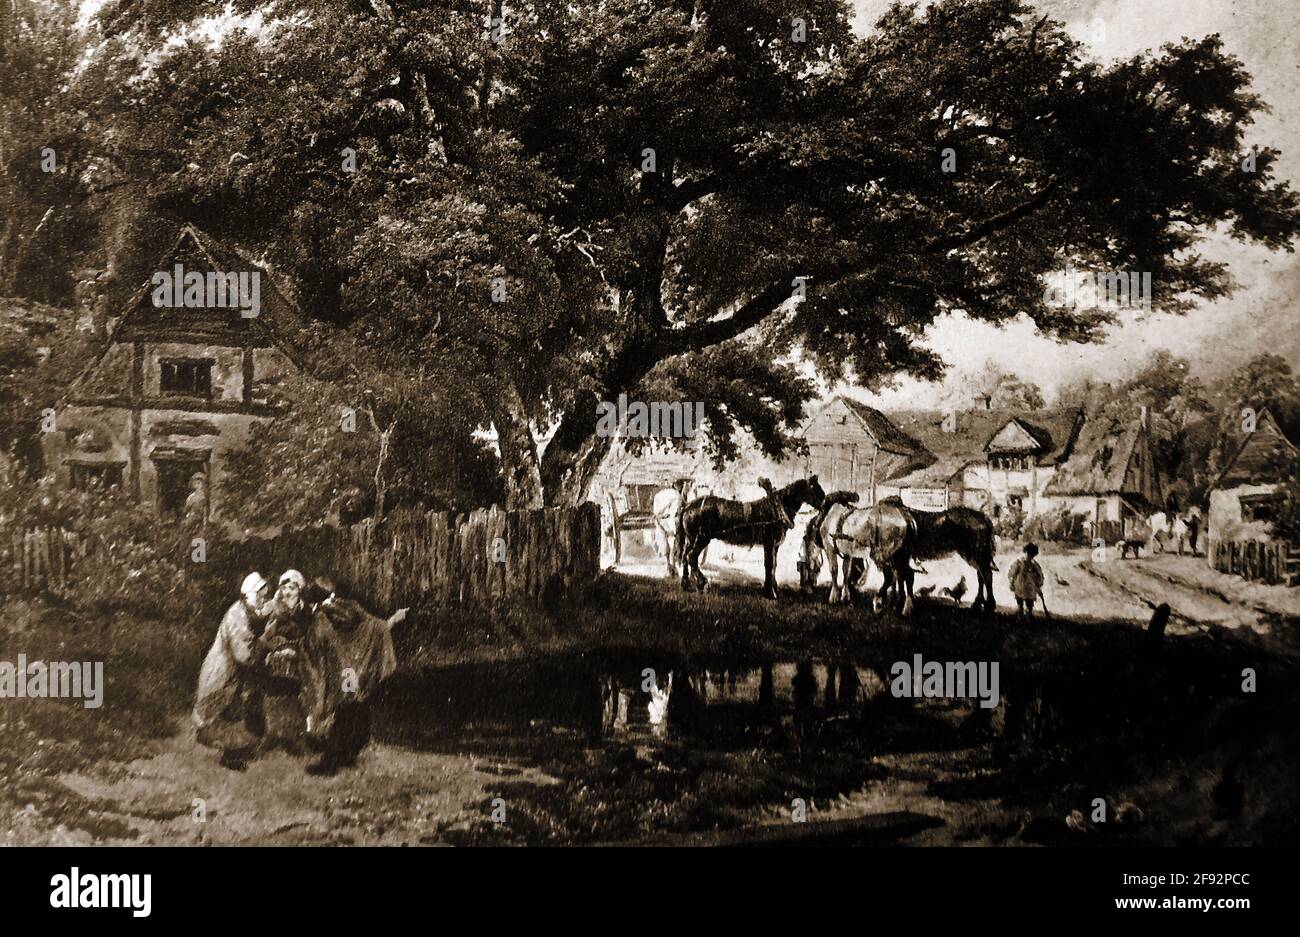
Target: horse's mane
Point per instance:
(813, 530)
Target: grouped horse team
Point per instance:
(844, 535)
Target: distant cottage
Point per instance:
(1034, 462)
(990, 459)
(1245, 497)
(173, 389)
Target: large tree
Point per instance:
(47, 219)
(559, 203)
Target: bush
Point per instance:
(1060, 526)
(1010, 524)
(130, 560)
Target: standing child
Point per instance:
(1026, 581)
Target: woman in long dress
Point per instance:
(225, 707)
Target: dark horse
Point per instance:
(927, 535)
(743, 523)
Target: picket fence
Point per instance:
(1272, 562)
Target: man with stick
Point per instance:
(1027, 582)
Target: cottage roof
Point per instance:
(966, 434)
(937, 474)
(278, 316)
(1100, 460)
(888, 436)
(1255, 460)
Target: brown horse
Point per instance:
(893, 535)
(743, 523)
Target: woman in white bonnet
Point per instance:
(279, 647)
(220, 715)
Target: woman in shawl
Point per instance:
(226, 715)
(347, 653)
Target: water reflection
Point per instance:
(654, 702)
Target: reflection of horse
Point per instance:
(743, 523)
(892, 535)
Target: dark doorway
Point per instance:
(174, 473)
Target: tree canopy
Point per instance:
(556, 203)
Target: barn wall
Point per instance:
(1225, 523)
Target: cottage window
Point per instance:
(1260, 508)
(189, 377)
(1011, 462)
(83, 476)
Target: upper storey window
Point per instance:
(189, 377)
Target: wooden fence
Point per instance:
(410, 558)
(42, 559)
(422, 558)
(1261, 561)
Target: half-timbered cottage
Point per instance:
(173, 388)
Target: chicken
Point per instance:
(1129, 814)
(925, 590)
(957, 591)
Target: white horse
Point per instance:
(664, 508)
(1159, 524)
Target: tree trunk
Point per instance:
(381, 485)
(520, 469)
(572, 460)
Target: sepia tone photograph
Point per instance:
(649, 423)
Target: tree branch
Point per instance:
(995, 223)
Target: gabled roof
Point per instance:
(1252, 462)
(966, 434)
(888, 436)
(278, 316)
(1100, 461)
(931, 476)
(276, 319)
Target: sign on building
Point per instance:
(926, 499)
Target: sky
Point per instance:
(1264, 312)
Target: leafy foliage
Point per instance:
(527, 160)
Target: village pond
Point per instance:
(635, 746)
(649, 715)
